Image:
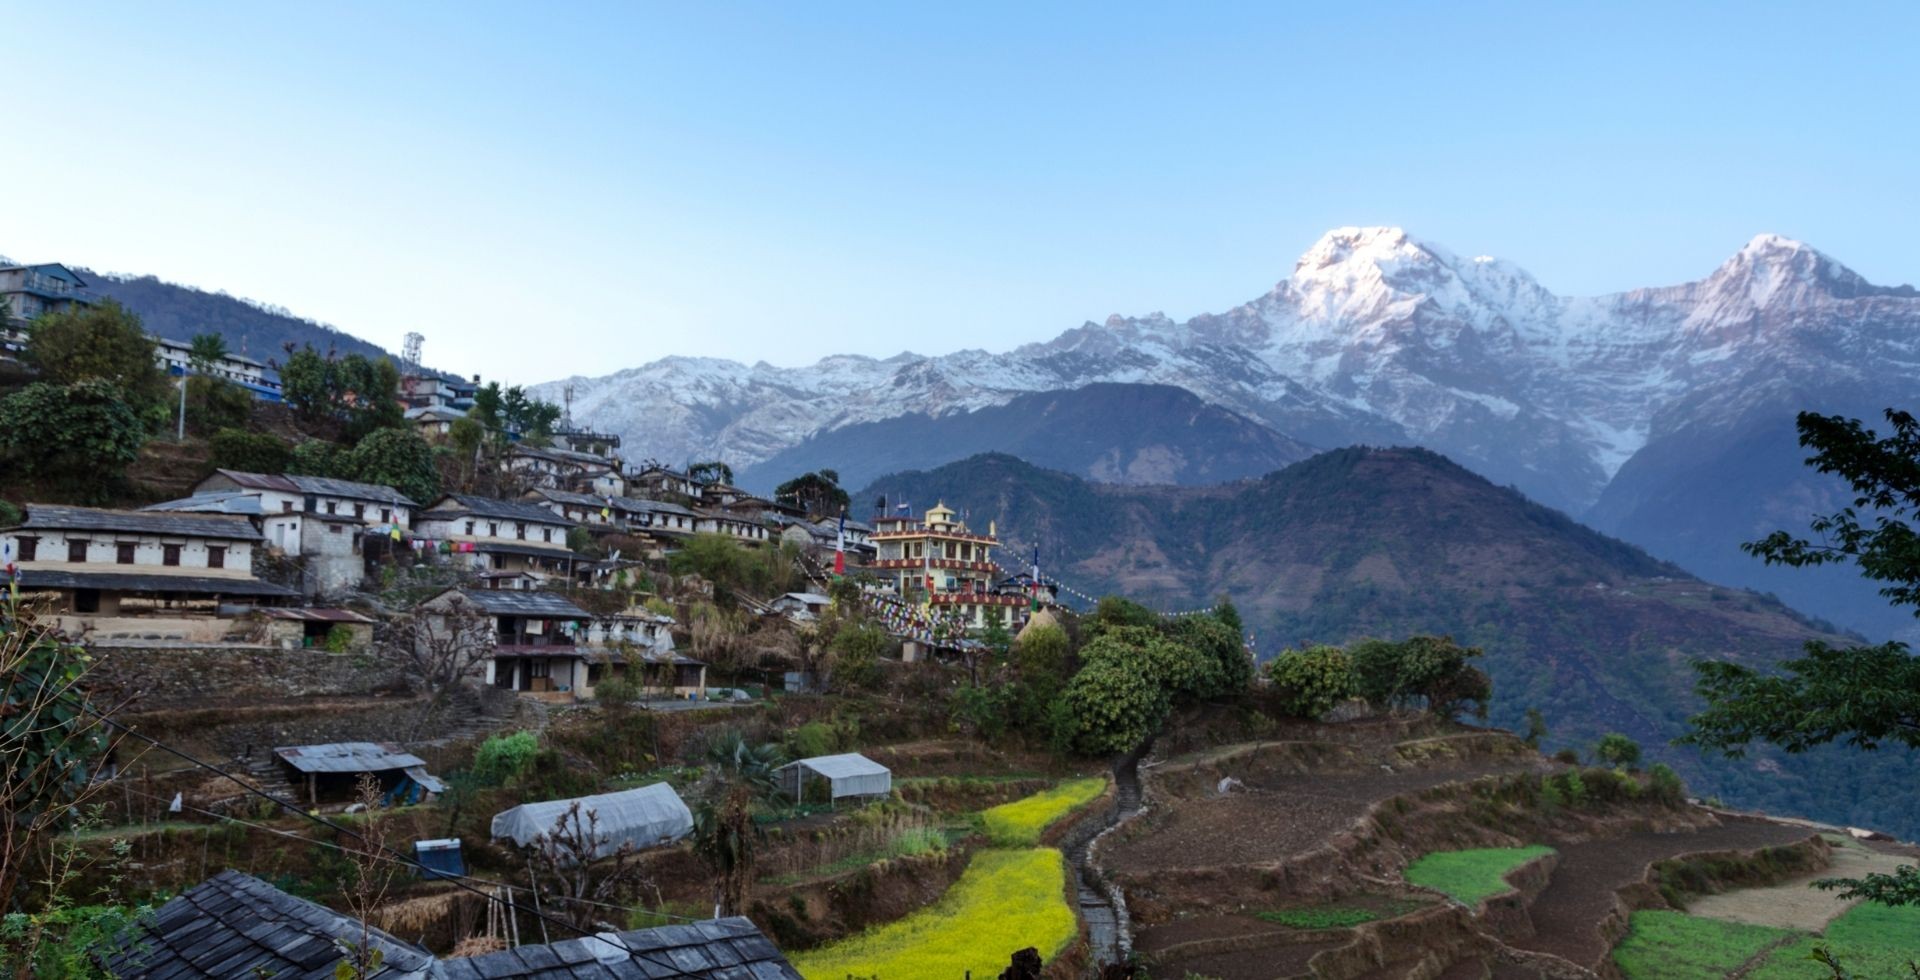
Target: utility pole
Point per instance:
(180, 435)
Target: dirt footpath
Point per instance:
(1580, 894)
(1795, 903)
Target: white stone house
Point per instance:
(500, 536)
(169, 570)
(320, 520)
(564, 469)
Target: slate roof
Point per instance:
(519, 602)
(53, 517)
(213, 502)
(54, 578)
(348, 757)
(563, 456)
(632, 505)
(235, 925)
(529, 550)
(718, 949)
(324, 486)
(465, 505)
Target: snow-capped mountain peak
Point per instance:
(1375, 336)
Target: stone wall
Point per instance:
(199, 677)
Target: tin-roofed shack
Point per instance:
(339, 629)
(332, 771)
(847, 775)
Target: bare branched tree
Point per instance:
(441, 648)
(367, 889)
(579, 868)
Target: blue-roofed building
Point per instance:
(32, 290)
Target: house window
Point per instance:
(546, 534)
(386, 515)
(123, 553)
(29, 547)
(169, 554)
(216, 556)
(469, 528)
(493, 529)
(77, 550)
(519, 531)
(541, 667)
(333, 507)
(359, 511)
(286, 506)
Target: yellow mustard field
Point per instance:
(1004, 902)
(1020, 823)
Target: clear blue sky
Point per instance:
(552, 189)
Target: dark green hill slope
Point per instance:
(1389, 542)
(179, 312)
(1111, 433)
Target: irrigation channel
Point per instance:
(1101, 906)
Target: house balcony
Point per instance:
(921, 534)
(941, 564)
(978, 599)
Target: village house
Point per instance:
(940, 561)
(434, 423)
(499, 536)
(747, 530)
(29, 291)
(637, 643)
(564, 469)
(665, 523)
(139, 573)
(801, 605)
(176, 358)
(660, 483)
(323, 628)
(319, 520)
(587, 441)
(822, 538)
(538, 640)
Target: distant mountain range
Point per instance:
(1114, 433)
(1661, 414)
(1593, 631)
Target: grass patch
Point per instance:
(1870, 940)
(1021, 822)
(1006, 900)
(1472, 876)
(1335, 916)
(1670, 945)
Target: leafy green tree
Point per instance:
(739, 775)
(1617, 750)
(318, 457)
(306, 383)
(359, 392)
(1226, 612)
(1313, 681)
(206, 350)
(1536, 728)
(1113, 706)
(857, 650)
(81, 436)
(396, 458)
(1219, 646)
(1863, 696)
(1435, 669)
(249, 452)
(711, 471)
(213, 404)
(1115, 611)
(99, 343)
(818, 493)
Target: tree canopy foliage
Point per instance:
(98, 343)
(818, 493)
(398, 458)
(710, 471)
(81, 436)
(512, 410)
(357, 391)
(1863, 696)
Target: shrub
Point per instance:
(214, 405)
(339, 639)
(1665, 785)
(1313, 681)
(811, 739)
(249, 452)
(857, 649)
(1568, 756)
(10, 515)
(502, 758)
(1617, 750)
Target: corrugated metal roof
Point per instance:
(456, 505)
(214, 502)
(318, 615)
(235, 925)
(526, 550)
(520, 602)
(348, 757)
(325, 486)
(716, 949)
(646, 816)
(53, 578)
(54, 517)
(841, 766)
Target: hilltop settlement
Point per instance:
(337, 666)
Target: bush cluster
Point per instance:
(1422, 671)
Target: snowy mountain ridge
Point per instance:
(1374, 337)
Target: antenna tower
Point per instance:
(410, 353)
(566, 395)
